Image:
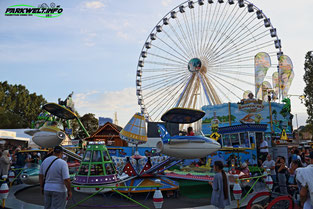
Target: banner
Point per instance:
(275, 84)
(262, 62)
(265, 87)
(287, 87)
(285, 71)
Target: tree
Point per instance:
(18, 108)
(89, 121)
(308, 90)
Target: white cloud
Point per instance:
(166, 3)
(122, 35)
(124, 102)
(94, 5)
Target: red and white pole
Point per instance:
(157, 196)
(11, 176)
(4, 190)
(269, 181)
(237, 190)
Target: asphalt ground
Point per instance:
(114, 200)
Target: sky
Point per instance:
(94, 46)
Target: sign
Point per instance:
(284, 135)
(215, 136)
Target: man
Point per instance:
(270, 164)
(57, 184)
(263, 149)
(305, 179)
(252, 161)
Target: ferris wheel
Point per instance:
(202, 53)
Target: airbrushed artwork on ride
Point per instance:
(287, 87)
(262, 62)
(194, 65)
(285, 74)
(275, 85)
(248, 111)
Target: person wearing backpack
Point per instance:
(55, 181)
(305, 179)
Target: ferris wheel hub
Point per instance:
(194, 65)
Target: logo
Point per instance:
(43, 10)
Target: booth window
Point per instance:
(83, 169)
(87, 156)
(226, 140)
(244, 140)
(234, 140)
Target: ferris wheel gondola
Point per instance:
(202, 53)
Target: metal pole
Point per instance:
(85, 199)
(82, 126)
(229, 114)
(138, 203)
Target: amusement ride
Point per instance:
(200, 53)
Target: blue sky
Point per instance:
(93, 49)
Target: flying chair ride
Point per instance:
(184, 147)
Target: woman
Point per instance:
(220, 197)
(4, 163)
(282, 170)
(190, 131)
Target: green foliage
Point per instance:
(89, 121)
(308, 90)
(18, 108)
(307, 128)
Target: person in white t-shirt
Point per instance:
(263, 149)
(270, 164)
(57, 185)
(305, 178)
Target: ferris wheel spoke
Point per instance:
(228, 45)
(207, 25)
(232, 78)
(235, 9)
(164, 64)
(180, 58)
(222, 21)
(237, 31)
(193, 24)
(153, 70)
(166, 105)
(234, 72)
(158, 83)
(212, 31)
(164, 88)
(176, 44)
(230, 91)
(154, 95)
(189, 35)
(183, 43)
(216, 28)
(165, 58)
(172, 48)
(244, 51)
(185, 37)
(158, 76)
(232, 22)
(219, 89)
